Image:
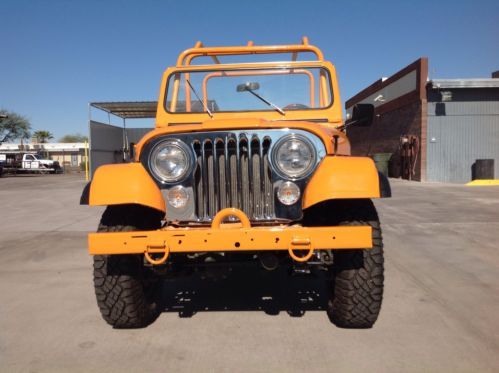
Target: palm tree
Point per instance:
(43, 136)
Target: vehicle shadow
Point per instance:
(246, 289)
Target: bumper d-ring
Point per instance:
(157, 249)
(225, 213)
(300, 244)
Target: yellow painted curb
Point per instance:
(482, 182)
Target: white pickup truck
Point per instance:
(33, 161)
(26, 162)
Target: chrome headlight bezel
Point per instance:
(159, 173)
(306, 171)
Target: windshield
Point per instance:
(278, 89)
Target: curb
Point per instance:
(483, 182)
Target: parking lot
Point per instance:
(440, 310)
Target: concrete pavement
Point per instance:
(440, 309)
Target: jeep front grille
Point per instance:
(233, 171)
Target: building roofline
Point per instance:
(50, 147)
(420, 65)
(464, 83)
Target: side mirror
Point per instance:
(248, 86)
(362, 115)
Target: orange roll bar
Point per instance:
(185, 58)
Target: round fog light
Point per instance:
(288, 193)
(177, 197)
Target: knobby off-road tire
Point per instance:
(126, 293)
(358, 274)
(357, 283)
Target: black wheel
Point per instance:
(126, 292)
(357, 274)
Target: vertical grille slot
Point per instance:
(199, 177)
(268, 210)
(243, 167)
(233, 172)
(232, 150)
(255, 177)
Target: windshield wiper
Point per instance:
(199, 99)
(264, 100)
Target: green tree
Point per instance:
(43, 136)
(13, 126)
(76, 137)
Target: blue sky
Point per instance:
(56, 56)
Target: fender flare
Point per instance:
(117, 184)
(347, 177)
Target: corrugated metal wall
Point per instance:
(459, 133)
(107, 142)
(106, 145)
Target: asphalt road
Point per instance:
(440, 311)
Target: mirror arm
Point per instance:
(335, 137)
(344, 126)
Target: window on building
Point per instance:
(446, 96)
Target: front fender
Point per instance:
(117, 184)
(343, 177)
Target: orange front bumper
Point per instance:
(220, 237)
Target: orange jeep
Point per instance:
(249, 161)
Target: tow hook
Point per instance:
(298, 243)
(157, 248)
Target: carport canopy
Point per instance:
(128, 109)
(110, 143)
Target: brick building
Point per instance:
(434, 129)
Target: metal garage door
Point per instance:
(458, 134)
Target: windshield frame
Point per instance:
(248, 67)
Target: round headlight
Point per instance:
(170, 160)
(294, 156)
